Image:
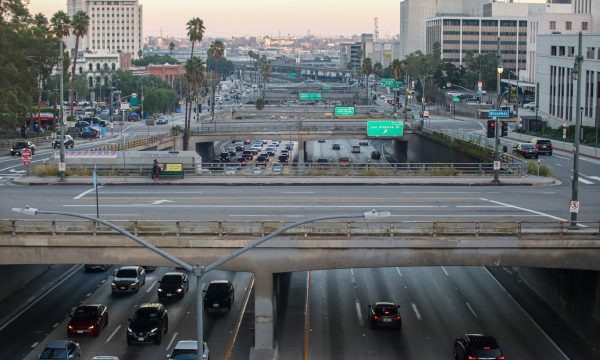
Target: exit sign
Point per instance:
(344, 111)
(309, 96)
(385, 128)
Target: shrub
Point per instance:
(532, 169)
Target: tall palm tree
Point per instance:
(216, 49)
(79, 26)
(215, 52)
(195, 32)
(367, 70)
(171, 47)
(41, 22)
(194, 73)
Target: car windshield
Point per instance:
(145, 317)
(53, 353)
(184, 354)
(126, 273)
(217, 290)
(528, 146)
(84, 312)
(171, 280)
(386, 310)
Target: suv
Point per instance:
(149, 323)
(356, 149)
(172, 285)
(385, 314)
(375, 155)
(69, 142)
(61, 349)
(188, 350)
(17, 148)
(544, 146)
(128, 279)
(218, 296)
(335, 147)
(477, 346)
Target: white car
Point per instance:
(530, 106)
(187, 349)
(277, 168)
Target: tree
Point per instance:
(260, 103)
(215, 51)
(79, 26)
(195, 32)
(171, 47)
(155, 59)
(265, 73)
(366, 70)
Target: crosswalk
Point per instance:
(588, 180)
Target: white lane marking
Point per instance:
(71, 272)
(549, 192)
(352, 277)
(18, 171)
(525, 209)
(158, 202)
(55, 325)
(113, 334)
(445, 271)
(562, 157)
(151, 286)
(297, 192)
(582, 180)
(557, 164)
(398, 271)
(359, 314)
(507, 270)
(527, 314)
(417, 313)
(35, 344)
(267, 206)
(472, 311)
(14, 166)
(595, 177)
(85, 193)
(171, 342)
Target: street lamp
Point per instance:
(500, 69)
(200, 270)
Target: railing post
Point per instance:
(348, 230)
(391, 230)
(177, 228)
(262, 229)
(53, 227)
(95, 225)
(220, 229)
(519, 228)
(433, 233)
(477, 229)
(135, 227)
(13, 226)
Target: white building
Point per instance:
(555, 59)
(414, 15)
(115, 26)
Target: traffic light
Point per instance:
(491, 128)
(504, 129)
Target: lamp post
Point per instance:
(496, 137)
(61, 66)
(577, 75)
(200, 270)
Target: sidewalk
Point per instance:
(233, 180)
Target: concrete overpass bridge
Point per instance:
(326, 245)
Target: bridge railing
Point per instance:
(348, 229)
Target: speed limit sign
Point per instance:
(574, 207)
(496, 165)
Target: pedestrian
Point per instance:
(156, 170)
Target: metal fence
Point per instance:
(349, 229)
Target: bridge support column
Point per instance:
(264, 317)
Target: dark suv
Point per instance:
(218, 296)
(173, 285)
(477, 346)
(544, 146)
(385, 314)
(149, 323)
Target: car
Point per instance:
(88, 320)
(128, 279)
(68, 140)
(355, 149)
(61, 349)
(133, 116)
(188, 350)
(544, 146)
(242, 161)
(477, 346)
(88, 132)
(363, 142)
(262, 159)
(239, 147)
(248, 154)
(247, 142)
(344, 161)
(95, 267)
(18, 147)
(284, 158)
(335, 146)
(224, 157)
(219, 295)
(256, 170)
(277, 168)
(162, 120)
(529, 106)
(231, 169)
(289, 146)
(148, 324)
(526, 150)
(82, 124)
(375, 155)
(275, 142)
(173, 285)
(322, 161)
(385, 314)
(321, 140)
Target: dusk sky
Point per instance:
(224, 18)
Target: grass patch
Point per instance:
(532, 169)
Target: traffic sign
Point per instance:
(26, 154)
(499, 113)
(292, 75)
(448, 84)
(497, 165)
(124, 106)
(344, 111)
(455, 99)
(574, 207)
(326, 87)
(62, 166)
(309, 96)
(26, 162)
(386, 82)
(425, 113)
(385, 128)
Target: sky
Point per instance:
(225, 18)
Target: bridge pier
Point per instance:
(264, 317)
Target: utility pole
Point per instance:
(496, 137)
(577, 75)
(142, 99)
(406, 98)
(62, 165)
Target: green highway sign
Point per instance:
(455, 99)
(385, 128)
(344, 111)
(386, 82)
(326, 87)
(292, 75)
(396, 89)
(309, 96)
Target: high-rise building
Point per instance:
(115, 26)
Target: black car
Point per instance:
(544, 146)
(385, 314)
(149, 323)
(224, 157)
(69, 142)
(262, 159)
(218, 296)
(128, 279)
(88, 132)
(375, 155)
(283, 158)
(247, 154)
(95, 267)
(82, 124)
(526, 150)
(335, 146)
(18, 147)
(173, 285)
(477, 346)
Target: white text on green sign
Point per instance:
(385, 128)
(344, 111)
(309, 96)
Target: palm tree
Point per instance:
(397, 68)
(215, 52)
(367, 70)
(171, 47)
(195, 32)
(79, 25)
(194, 73)
(216, 49)
(41, 22)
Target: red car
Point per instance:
(344, 161)
(385, 314)
(88, 320)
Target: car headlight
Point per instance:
(113, 284)
(129, 331)
(179, 290)
(153, 330)
(160, 290)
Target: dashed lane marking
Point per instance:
(417, 313)
(445, 271)
(472, 311)
(112, 334)
(171, 342)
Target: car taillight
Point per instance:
(537, 146)
(71, 327)
(500, 358)
(375, 317)
(91, 327)
(471, 357)
(397, 317)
